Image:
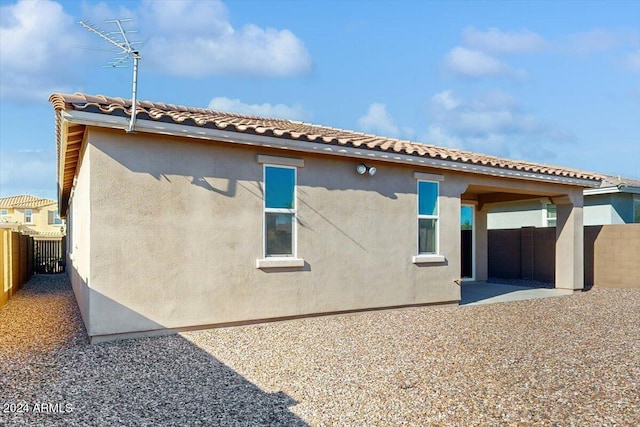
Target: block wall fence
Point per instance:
(611, 255)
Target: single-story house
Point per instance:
(615, 201)
(203, 218)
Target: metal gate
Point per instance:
(48, 256)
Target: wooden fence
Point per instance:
(16, 266)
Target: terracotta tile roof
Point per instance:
(613, 181)
(294, 130)
(24, 201)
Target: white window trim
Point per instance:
(30, 221)
(427, 259)
(435, 257)
(280, 161)
(4, 212)
(280, 261)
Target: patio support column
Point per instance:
(569, 241)
(482, 245)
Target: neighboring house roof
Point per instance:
(615, 184)
(24, 201)
(297, 135)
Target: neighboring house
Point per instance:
(33, 216)
(204, 218)
(615, 201)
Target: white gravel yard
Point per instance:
(563, 361)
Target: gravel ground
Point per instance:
(559, 361)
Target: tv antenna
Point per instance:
(125, 48)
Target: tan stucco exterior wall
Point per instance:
(78, 242)
(173, 229)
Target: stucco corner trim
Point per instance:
(276, 160)
(279, 262)
(428, 259)
(428, 176)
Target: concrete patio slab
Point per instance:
(491, 293)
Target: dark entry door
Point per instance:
(466, 242)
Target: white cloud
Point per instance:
(596, 40)
(377, 120)
(28, 171)
(195, 38)
(473, 63)
(37, 43)
(496, 41)
(445, 100)
(493, 123)
(282, 111)
(188, 17)
(40, 44)
(632, 61)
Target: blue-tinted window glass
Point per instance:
(279, 185)
(427, 198)
(56, 218)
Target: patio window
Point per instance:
(551, 215)
(428, 217)
(28, 216)
(279, 211)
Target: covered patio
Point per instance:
(569, 259)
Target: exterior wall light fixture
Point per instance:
(362, 169)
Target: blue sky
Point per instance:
(551, 82)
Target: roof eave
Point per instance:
(173, 129)
(71, 136)
(612, 189)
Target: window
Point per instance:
(551, 215)
(54, 218)
(4, 212)
(427, 217)
(279, 211)
(636, 209)
(28, 214)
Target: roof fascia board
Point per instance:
(173, 129)
(62, 150)
(610, 190)
(605, 190)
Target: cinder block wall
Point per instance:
(616, 256)
(523, 253)
(504, 253)
(611, 255)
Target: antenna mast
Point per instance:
(126, 48)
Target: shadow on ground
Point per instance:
(487, 293)
(151, 381)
